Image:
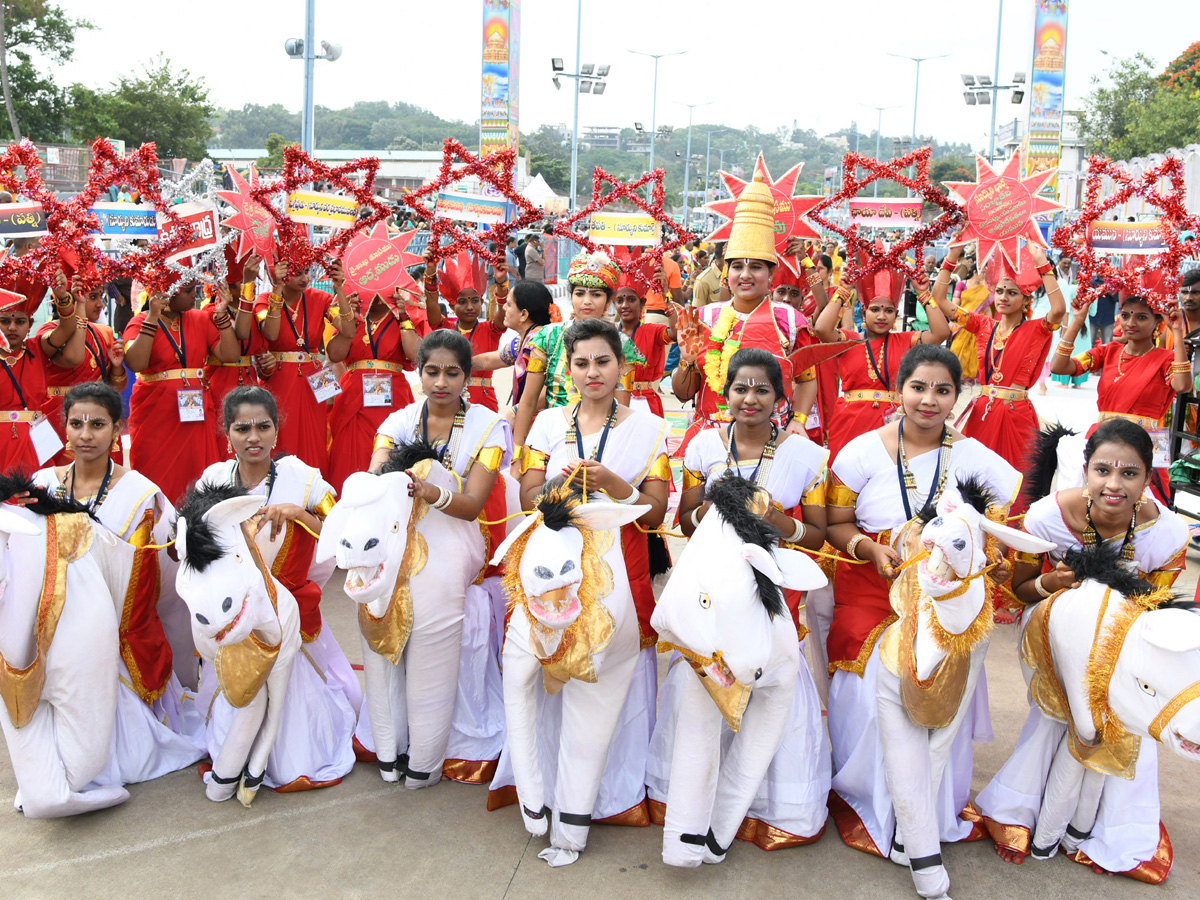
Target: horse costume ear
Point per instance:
(331, 532)
(800, 573)
(181, 539)
(505, 545)
(599, 515)
(11, 523)
(1015, 539)
(1174, 630)
(233, 511)
(762, 560)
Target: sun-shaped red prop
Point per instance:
(377, 264)
(1000, 208)
(300, 169)
(251, 219)
(630, 191)
(859, 245)
(1156, 277)
(494, 170)
(789, 210)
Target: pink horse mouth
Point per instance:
(720, 673)
(923, 568)
(224, 632)
(1187, 746)
(551, 610)
(359, 579)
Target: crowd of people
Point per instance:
(810, 388)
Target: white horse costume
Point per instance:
(58, 653)
(723, 610)
(572, 631)
(1108, 664)
(410, 614)
(930, 663)
(267, 719)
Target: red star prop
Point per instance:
(251, 219)
(72, 225)
(859, 246)
(300, 169)
(1157, 277)
(377, 264)
(630, 191)
(496, 170)
(1000, 208)
(28, 273)
(789, 209)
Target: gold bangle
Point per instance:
(1181, 368)
(925, 298)
(248, 291)
(854, 542)
(802, 418)
(806, 263)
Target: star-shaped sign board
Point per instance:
(1000, 208)
(903, 256)
(377, 264)
(495, 171)
(251, 219)
(631, 192)
(1156, 277)
(300, 169)
(789, 210)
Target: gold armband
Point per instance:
(383, 442)
(806, 263)
(838, 494)
(660, 469)
(691, 479)
(533, 459)
(323, 508)
(490, 458)
(535, 366)
(248, 291)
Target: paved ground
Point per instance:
(364, 838)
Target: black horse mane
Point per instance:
(731, 496)
(975, 493)
(1042, 463)
(557, 502)
(202, 547)
(41, 501)
(407, 454)
(1102, 563)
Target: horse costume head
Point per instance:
(956, 538)
(40, 502)
(220, 577)
(368, 530)
(725, 588)
(1144, 670)
(549, 554)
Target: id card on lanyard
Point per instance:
(377, 390)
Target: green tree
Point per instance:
(555, 171)
(274, 159)
(162, 105)
(35, 106)
(1110, 111)
(1170, 119)
(250, 125)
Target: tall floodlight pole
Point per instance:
(575, 128)
(995, 81)
(654, 101)
(878, 134)
(916, 91)
(687, 162)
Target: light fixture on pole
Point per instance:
(687, 164)
(590, 79)
(654, 101)
(878, 133)
(916, 88)
(305, 49)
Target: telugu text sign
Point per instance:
(885, 213)
(319, 208)
(1142, 238)
(471, 208)
(624, 229)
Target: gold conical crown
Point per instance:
(753, 233)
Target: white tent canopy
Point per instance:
(540, 194)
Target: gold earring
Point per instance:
(1086, 495)
(229, 446)
(116, 443)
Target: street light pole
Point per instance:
(654, 102)
(687, 163)
(995, 81)
(916, 91)
(575, 129)
(310, 59)
(707, 162)
(878, 135)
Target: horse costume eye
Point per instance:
(543, 573)
(705, 601)
(237, 557)
(959, 544)
(568, 566)
(1146, 689)
(201, 619)
(395, 527)
(373, 542)
(757, 674)
(227, 604)
(936, 523)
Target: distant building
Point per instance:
(602, 137)
(838, 140)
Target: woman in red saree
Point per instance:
(292, 321)
(868, 376)
(223, 377)
(26, 363)
(374, 385)
(172, 422)
(460, 282)
(651, 338)
(1012, 349)
(1138, 381)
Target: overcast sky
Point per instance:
(757, 62)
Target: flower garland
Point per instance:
(722, 346)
